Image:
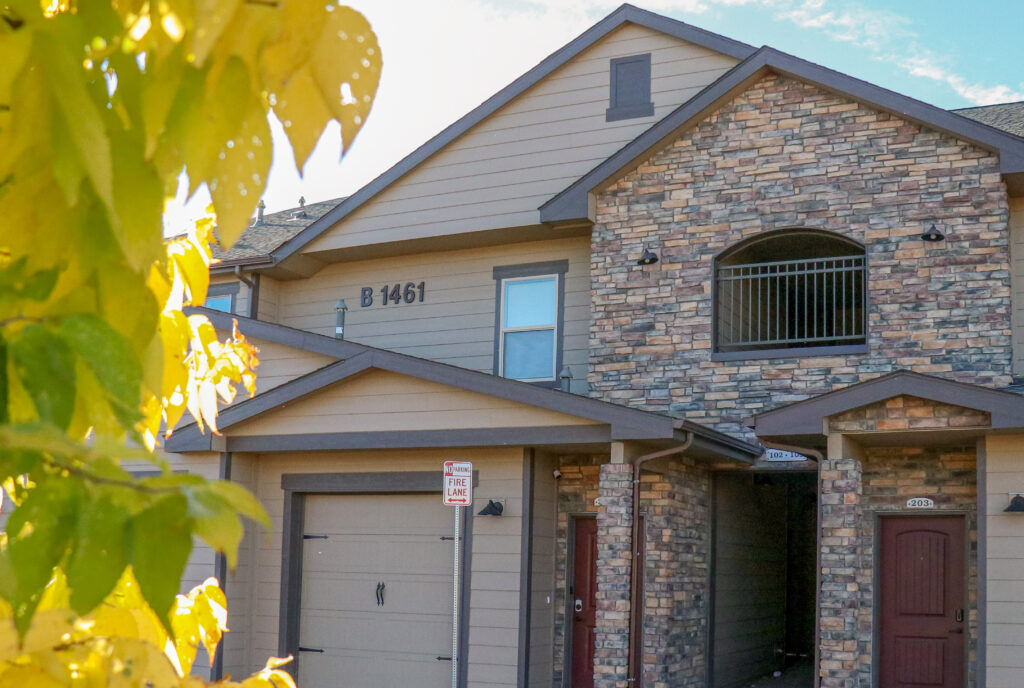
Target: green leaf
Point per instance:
(215, 521)
(138, 202)
(242, 501)
(240, 176)
(100, 555)
(111, 359)
(5, 414)
(161, 543)
(46, 368)
(40, 530)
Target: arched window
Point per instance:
(790, 289)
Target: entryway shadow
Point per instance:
(799, 675)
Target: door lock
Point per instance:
(959, 615)
(578, 606)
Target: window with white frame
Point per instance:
(527, 336)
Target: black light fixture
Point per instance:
(339, 323)
(493, 508)
(1016, 504)
(648, 258)
(933, 235)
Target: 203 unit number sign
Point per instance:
(410, 292)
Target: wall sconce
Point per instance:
(339, 323)
(1016, 503)
(565, 379)
(932, 235)
(649, 257)
(493, 508)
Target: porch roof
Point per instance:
(806, 421)
(559, 418)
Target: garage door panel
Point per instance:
(358, 593)
(377, 514)
(410, 633)
(416, 555)
(394, 539)
(377, 669)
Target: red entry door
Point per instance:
(923, 602)
(583, 599)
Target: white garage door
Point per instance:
(373, 635)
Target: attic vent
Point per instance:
(630, 93)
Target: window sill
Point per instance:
(613, 114)
(797, 352)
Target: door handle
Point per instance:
(578, 606)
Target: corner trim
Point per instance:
(526, 570)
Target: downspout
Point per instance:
(635, 620)
(254, 290)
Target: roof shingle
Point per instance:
(259, 240)
(1006, 116)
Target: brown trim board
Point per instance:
(807, 417)
(296, 486)
(573, 203)
(526, 570)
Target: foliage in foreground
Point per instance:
(102, 105)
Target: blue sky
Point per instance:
(444, 57)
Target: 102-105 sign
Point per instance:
(410, 292)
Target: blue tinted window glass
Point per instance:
(219, 303)
(530, 355)
(530, 303)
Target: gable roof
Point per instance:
(623, 15)
(625, 423)
(1006, 116)
(807, 417)
(260, 239)
(572, 204)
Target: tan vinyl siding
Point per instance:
(239, 587)
(269, 297)
(455, 322)
(384, 401)
(494, 615)
(1017, 281)
(497, 174)
(1004, 543)
(280, 364)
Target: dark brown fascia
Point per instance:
(625, 14)
(807, 418)
(574, 203)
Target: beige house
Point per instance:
(730, 338)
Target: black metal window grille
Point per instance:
(791, 303)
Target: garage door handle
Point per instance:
(443, 659)
(310, 649)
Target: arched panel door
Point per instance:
(923, 599)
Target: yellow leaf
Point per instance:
(301, 109)
(240, 175)
(346, 64)
(216, 16)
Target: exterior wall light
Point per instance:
(648, 258)
(1016, 503)
(565, 379)
(493, 508)
(339, 323)
(933, 235)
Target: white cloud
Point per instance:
(924, 65)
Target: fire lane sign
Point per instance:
(458, 483)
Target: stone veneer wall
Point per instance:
(854, 492)
(677, 502)
(675, 498)
(786, 154)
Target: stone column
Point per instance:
(839, 603)
(614, 522)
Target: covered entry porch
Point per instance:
(901, 589)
